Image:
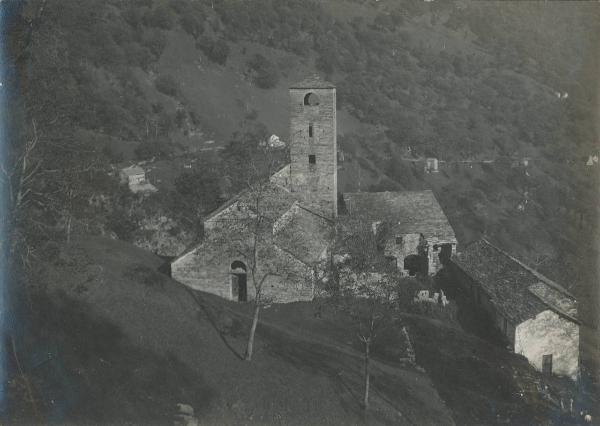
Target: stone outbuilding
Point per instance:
(420, 238)
(132, 175)
(431, 165)
(537, 316)
(135, 178)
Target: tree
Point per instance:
(249, 234)
(216, 50)
(167, 85)
(362, 283)
(264, 72)
(197, 193)
(18, 183)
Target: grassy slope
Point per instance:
(133, 343)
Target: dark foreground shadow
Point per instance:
(225, 325)
(83, 370)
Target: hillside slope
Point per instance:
(473, 84)
(462, 82)
(131, 343)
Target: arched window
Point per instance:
(237, 266)
(311, 99)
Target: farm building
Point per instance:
(135, 178)
(299, 207)
(536, 316)
(420, 236)
(132, 175)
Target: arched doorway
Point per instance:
(445, 254)
(239, 281)
(413, 264)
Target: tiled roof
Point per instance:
(313, 82)
(275, 199)
(133, 170)
(291, 226)
(304, 234)
(560, 302)
(409, 211)
(513, 289)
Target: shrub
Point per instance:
(201, 188)
(160, 17)
(215, 50)
(138, 55)
(122, 225)
(150, 149)
(192, 24)
(155, 41)
(264, 73)
(167, 84)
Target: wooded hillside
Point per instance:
(107, 81)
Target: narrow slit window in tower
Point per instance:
(310, 130)
(312, 159)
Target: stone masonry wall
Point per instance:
(207, 269)
(315, 183)
(434, 255)
(549, 333)
(408, 245)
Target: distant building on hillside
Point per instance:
(132, 175)
(536, 316)
(135, 178)
(303, 212)
(592, 160)
(431, 165)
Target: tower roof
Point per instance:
(313, 82)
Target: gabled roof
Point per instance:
(303, 233)
(409, 211)
(514, 289)
(277, 198)
(552, 297)
(133, 170)
(292, 227)
(313, 82)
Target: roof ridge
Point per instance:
(391, 192)
(298, 203)
(312, 81)
(552, 306)
(529, 269)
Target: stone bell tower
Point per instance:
(313, 144)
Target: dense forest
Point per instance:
(479, 85)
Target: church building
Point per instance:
(299, 211)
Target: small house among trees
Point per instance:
(536, 316)
(132, 175)
(431, 165)
(135, 178)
